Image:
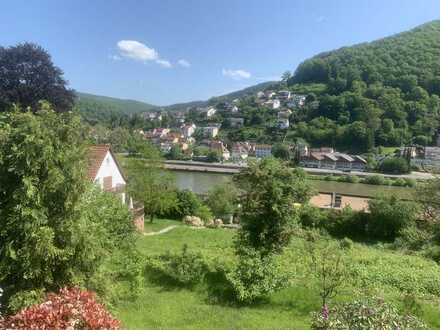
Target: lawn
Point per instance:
(375, 269)
(159, 224)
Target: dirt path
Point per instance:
(162, 231)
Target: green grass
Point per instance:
(372, 269)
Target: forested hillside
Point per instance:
(385, 92)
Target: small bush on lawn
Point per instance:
(413, 238)
(373, 314)
(374, 179)
(185, 268)
(69, 309)
(255, 276)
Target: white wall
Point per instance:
(109, 168)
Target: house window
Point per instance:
(108, 183)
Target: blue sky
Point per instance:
(164, 51)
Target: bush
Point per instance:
(204, 213)
(389, 215)
(222, 200)
(373, 314)
(413, 238)
(185, 268)
(312, 217)
(187, 204)
(349, 178)
(397, 165)
(410, 182)
(399, 182)
(346, 243)
(374, 179)
(255, 276)
(69, 309)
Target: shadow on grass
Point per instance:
(166, 282)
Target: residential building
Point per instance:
(283, 123)
(188, 130)
(211, 131)
(208, 112)
(220, 148)
(284, 95)
(241, 150)
(236, 122)
(105, 171)
(261, 95)
(269, 94)
(272, 104)
(263, 150)
(326, 158)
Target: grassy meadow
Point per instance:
(373, 270)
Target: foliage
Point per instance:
(281, 151)
(149, 185)
(255, 276)
(71, 308)
(269, 190)
(187, 204)
(394, 166)
(41, 183)
(389, 215)
(222, 200)
(374, 179)
(29, 76)
(367, 313)
(428, 196)
(204, 213)
(328, 267)
(186, 267)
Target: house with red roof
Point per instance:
(104, 170)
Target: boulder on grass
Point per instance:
(210, 223)
(193, 221)
(218, 222)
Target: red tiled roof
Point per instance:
(95, 157)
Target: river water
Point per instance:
(200, 183)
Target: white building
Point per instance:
(284, 95)
(103, 169)
(188, 130)
(210, 131)
(272, 104)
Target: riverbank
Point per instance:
(182, 165)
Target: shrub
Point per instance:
(410, 182)
(389, 215)
(255, 276)
(312, 217)
(374, 179)
(397, 165)
(185, 268)
(346, 243)
(204, 213)
(187, 204)
(413, 238)
(349, 178)
(222, 200)
(69, 309)
(399, 182)
(373, 314)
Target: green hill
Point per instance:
(384, 92)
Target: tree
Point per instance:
(27, 76)
(395, 165)
(269, 190)
(222, 200)
(55, 230)
(428, 197)
(281, 151)
(149, 183)
(389, 215)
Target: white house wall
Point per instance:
(109, 168)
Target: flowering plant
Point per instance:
(70, 309)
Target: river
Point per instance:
(200, 183)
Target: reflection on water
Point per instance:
(200, 182)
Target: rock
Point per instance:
(210, 223)
(218, 222)
(193, 221)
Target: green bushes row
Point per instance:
(372, 179)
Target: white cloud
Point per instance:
(136, 50)
(184, 63)
(236, 74)
(320, 19)
(164, 63)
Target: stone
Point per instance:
(193, 221)
(218, 222)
